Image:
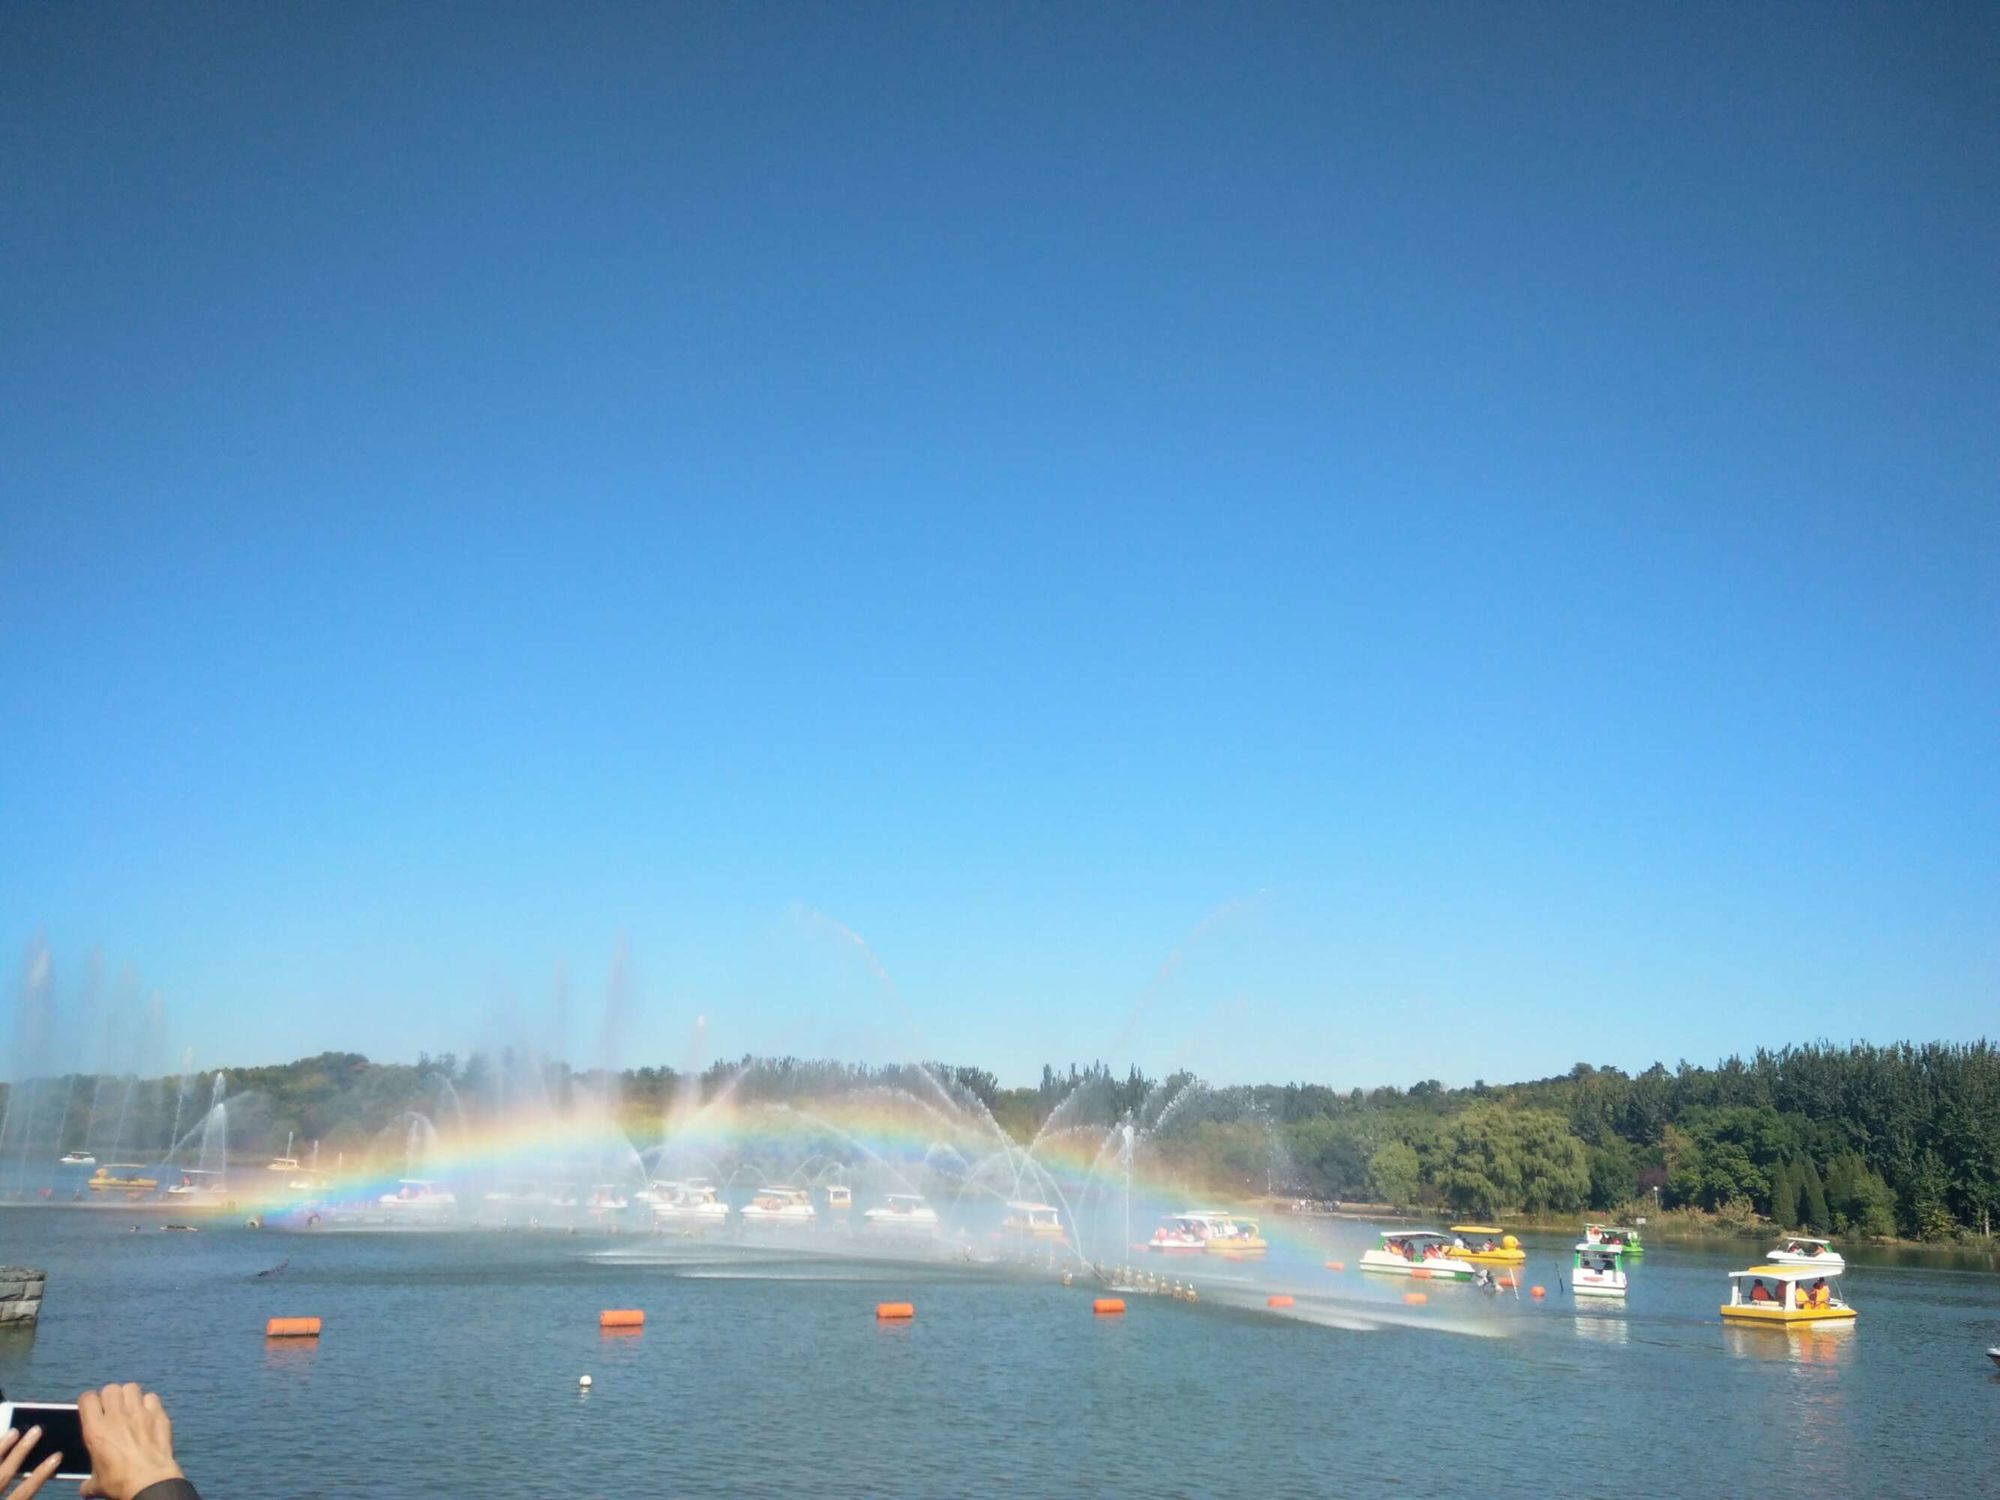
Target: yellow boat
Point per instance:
(1494, 1247)
(1232, 1237)
(1035, 1221)
(1796, 1295)
(101, 1181)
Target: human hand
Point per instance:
(131, 1442)
(14, 1450)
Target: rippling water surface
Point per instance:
(449, 1366)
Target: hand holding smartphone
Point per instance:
(61, 1432)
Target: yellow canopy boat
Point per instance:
(102, 1180)
(1486, 1244)
(1783, 1296)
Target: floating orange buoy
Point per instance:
(1108, 1305)
(621, 1317)
(1416, 1299)
(1508, 1282)
(1535, 1291)
(1278, 1299)
(886, 1310)
(292, 1328)
(1336, 1265)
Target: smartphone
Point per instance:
(62, 1432)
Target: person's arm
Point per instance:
(131, 1443)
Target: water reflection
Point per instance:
(290, 1356)
(1813, 1344)
(1604, 1325)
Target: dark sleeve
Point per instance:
(168, 1489)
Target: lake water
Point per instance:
(449, 1366)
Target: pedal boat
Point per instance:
(1420, 1253)
(1033, 1221)
(104, 1180)
(1795, 1297)
(688, 1205)
(901, 1213)
(1235, 1239)
(1620, 1237)
(1495, 1248)
(779, 1208)
(1183, 1234)
(1797, 1250)
(1597, 1271)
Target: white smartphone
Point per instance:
(62, 1432)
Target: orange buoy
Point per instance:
(621, 1317)
(1336, 1265)
(888, 1310)
(292, 1328)
(1508, 1282)
(1416, 1299)
(1108, 1305)
(1278, 1299)
(1535, 1291)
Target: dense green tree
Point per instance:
(1812, 1199)
(1393, 1174)
(1785, 1196)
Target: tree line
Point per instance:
(1854, 1140)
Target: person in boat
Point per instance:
(1759, 1292)
(1820, 1295)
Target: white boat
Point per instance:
(1180, 1234)
(839, 1198)
(902, 1213)
(517, 1195)
(285, 1163)
(200, 1186)
(414, 1197)
(607, 1197)
(779, 1208)
(687, 1205)
(76, 1159)
(1597, 1271)
(1420, 1253)
(1797, 1250)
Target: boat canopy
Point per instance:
(1787, 1273)
(1477, 1229)
(1031, 1208)
(902, 1197)
(1800, 1239)
(1413, 1234)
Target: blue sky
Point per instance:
(1355, 545)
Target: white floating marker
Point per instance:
(583, 1382)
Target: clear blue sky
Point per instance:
(1477, 527)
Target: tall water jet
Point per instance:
(214, 1157)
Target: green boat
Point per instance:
(1620, 1237)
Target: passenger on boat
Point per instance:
(1819, 1295)
(1759, 1292)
